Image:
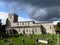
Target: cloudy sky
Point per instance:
(39, 10)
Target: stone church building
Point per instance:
(27, 27)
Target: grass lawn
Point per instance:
(17, 40)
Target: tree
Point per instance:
(0, 26)
(3, 28)
(58, 27)
(58, 24)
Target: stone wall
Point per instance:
(29, 26)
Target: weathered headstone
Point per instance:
(48, 41)
(37, 41)
(22, 41)
(58, 39)
(44, 41)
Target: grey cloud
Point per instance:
(52, 14)
(39, 2)
(42, 3)
(41, 10)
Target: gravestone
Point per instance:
(58, 39)
(43, 41)
(22, 41)
(37, 41)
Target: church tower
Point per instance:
(12, 18)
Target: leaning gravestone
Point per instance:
(22, 41)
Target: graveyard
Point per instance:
(29, 39)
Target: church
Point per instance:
(27, 27)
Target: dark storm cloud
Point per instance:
(41, 10)
(42, 3)
(49, 14)
(39, 2)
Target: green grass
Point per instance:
(17, 40)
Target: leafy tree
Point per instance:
(58, 24)
(3, 28)
(0, 27)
